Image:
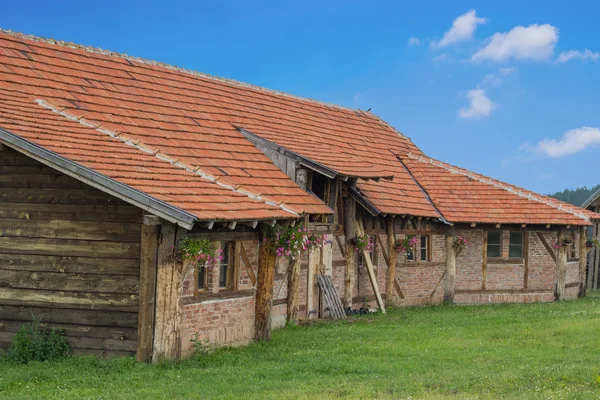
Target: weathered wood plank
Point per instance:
(88, 283)
(113, 318)
(64, 229)
(370, 269)
(450, 284)
(102, 344)
(58, 299)
(103, 332)
(148, 267)
(69, 247)
(41, 181)
(71, 212)
(69, 265)
(549, 249)
(57, 196)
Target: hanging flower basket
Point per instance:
(291, 241)
(405, 245)
(460, 243)
(201, 253)
(363, 242)
(593, 242)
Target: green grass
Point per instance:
(537, 351)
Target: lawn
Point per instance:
(537, 351)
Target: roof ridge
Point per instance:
(97, 50)
(498, 184)
(162, 156)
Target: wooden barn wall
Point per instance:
(69, 255)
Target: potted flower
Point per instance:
(405, 245)
(291, 241)
(364, 242)
(460, 243)
(593, 242)
(200, 253)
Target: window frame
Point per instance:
(228, 256)
(522, 255)
(427, 248)
(487, 244)
(231, 271)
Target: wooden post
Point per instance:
(561, 267)
(370, 270)
(293, 288)
(264, 286)
(350, 235)
(169, 288)
(526, 260)
(583, 252)
(312, 288)
(450, 284)
(147, 291)
(391, 251)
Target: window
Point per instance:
(515, 245)
(225, 269)
(202, 279)
(572, 252)
(424, 247)
(494, 244)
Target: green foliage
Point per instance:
(290, 241)
(32, 342)
(200, 252)
(576, 197)
(505, 351)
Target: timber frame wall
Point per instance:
(69, 255)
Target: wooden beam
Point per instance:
(549, 249)
(232, 225)
(526, 261)
(561, 266)
(390, 260)
(350, 235)
(340, 246)
(398, 289)
(293, 290)
(437, 285)
(371, 270)
(312, 290)
(450, 284)
(383, 246)
(484, 261)
(246, 261)
(583, 253)
(147, 288)
(264, 287)
(169, 287)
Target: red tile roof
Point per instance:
(464, 196)
(173, 134)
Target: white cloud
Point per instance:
(462, 29)
(440, 58)
(571, 142)
(479, 105)
(498, 78)
(413, 41)
(534, 42)
(577, 55)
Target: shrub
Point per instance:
(32, 342)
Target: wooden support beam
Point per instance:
(484, 261)
(350, 235)
(264, 287)
(383, 246)
(293, 290)
(398, 289)
(583, 255)
(549, 249)
(370, 269)
(450, 284)
(232, 225)
(169, 287)
(561, 266)
(147, 287)
(312, 289)
(341, 246)
(390, 259)
(246, 261)
(526, 260)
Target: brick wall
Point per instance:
(231, 321)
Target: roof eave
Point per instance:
(99, 181)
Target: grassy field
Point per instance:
(537, 351)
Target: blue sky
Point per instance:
(489, 86)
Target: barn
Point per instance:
(108, 163)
